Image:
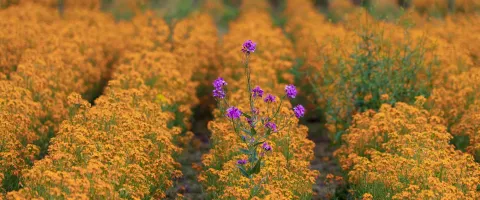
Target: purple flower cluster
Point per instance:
(218, 84)
(269, 98)
(266, 147)
(249, 47)
(291, 91)
(272, 126)
(242, 161)
(257, 92)
(299, 111)
(233, 113)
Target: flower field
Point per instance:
(240, 99)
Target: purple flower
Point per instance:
(272, 126)
(241, 161)
(291, 91)
(233, 113)
(219, 93)
(299, 111)
(269, 98)
(219, 83)
(257, 91)
(249, 47)
(266, 147)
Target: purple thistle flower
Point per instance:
(242, 161)
(266, 147)
(272, 126)
(257, 91)
(233, 113)
(291, 91)
(269, 98)
(219, 83)
(219, 93)
(249, 47)
(299, 111)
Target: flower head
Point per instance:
(299, 111)
(219, 93)
(257, 91)
(249, 47)
(233, 113)
(291, 91)
(272, 126)
(242, 161)
(266, 147)
(219, 83)
(269, 98)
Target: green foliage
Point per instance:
(378, 66)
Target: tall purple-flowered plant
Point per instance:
(246, 128)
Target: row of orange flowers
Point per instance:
(400, 152)
(456, 93)
(70, 4)
(44, 58)
(284, 171)
(393, 7)
(123, 146)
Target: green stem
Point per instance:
(278, 109)
(249, 86)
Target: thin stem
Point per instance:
(249, 86)
(278, 109)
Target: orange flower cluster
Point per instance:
(457, 83)
(19, 116)
(370, 148)
(286, 173)
(194, 47)
(403, 152)
(469, 125)
(122, 147)
(69, 4)
(435, 7)
(53, 59)
(22, 27)
(358, 64)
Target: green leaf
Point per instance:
(243, 171)
(256, 169)
(253, 131)
(269, 131)
(256, 144)
(246, 131)
(246, 115)
(245, 151)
